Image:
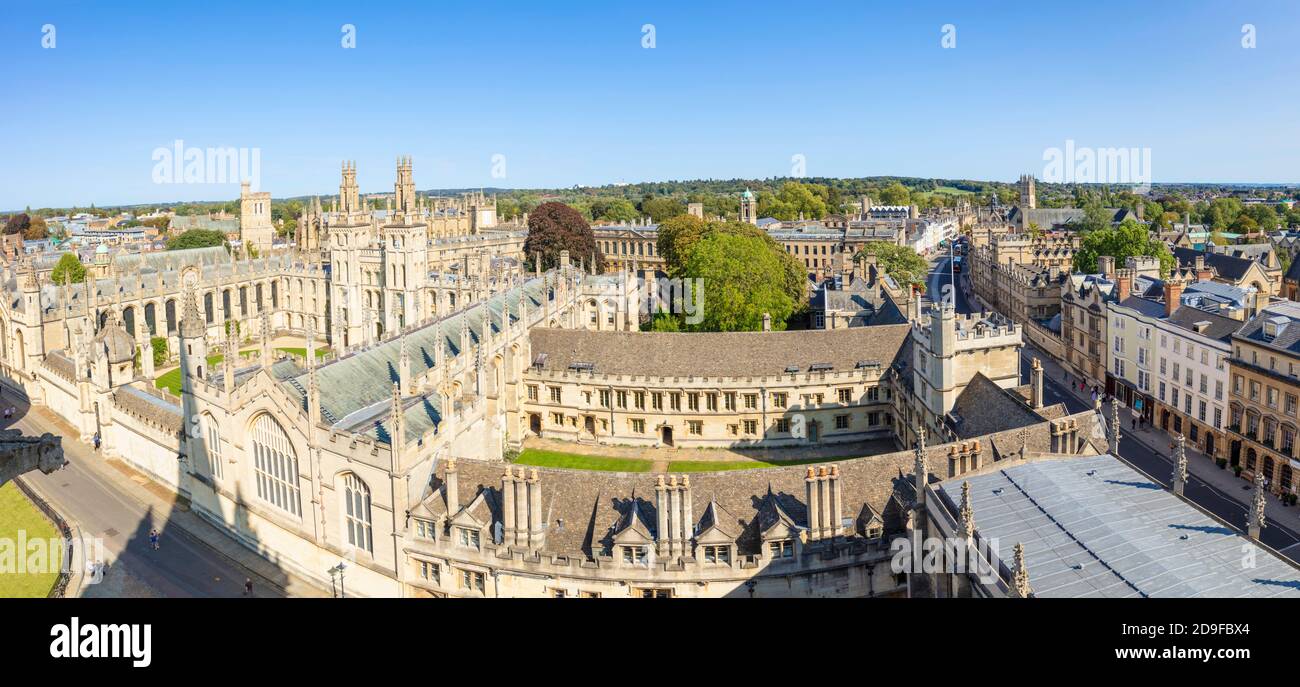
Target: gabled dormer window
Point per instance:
(636, 555)
(719, 554)
(468, 537)
(425, 529)
(781, 548)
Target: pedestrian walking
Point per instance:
(248, 586)
(153, 539)
(97, 442)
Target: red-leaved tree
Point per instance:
(553, 227)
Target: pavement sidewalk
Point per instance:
(1159, 442)
(176, 510)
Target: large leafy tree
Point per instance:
(18, 224)
(679, 235)
(793, 200)
(554, 227)
(675, 235)
(740, 280)
(660, 208)
(1129, 239)
(900, 262)
(197, 238)
(68, 268)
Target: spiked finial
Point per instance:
(919, 466)
(1021, 572)
(1114, 427)
(1180, 458)
(967, 512)
(1257, 521)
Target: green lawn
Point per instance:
(17, 513)
(719, 465)
(558, 459)
(171, 381)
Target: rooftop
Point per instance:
(1094, 527)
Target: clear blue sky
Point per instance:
(568, 95)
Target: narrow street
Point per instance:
(122, 511)
(1148, 449)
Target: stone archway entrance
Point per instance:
(667, 433)
(535, 423)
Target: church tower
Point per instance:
(255, 228)
(748, 207)
(404, 188)
(349, 195)
(1028, 195)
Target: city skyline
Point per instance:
(484, 98)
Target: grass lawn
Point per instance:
(171, 381)
(557, 459)
(17, 513)
(719, 465)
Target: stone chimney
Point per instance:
(1173, 292)
(451, 488)
(1123, 284)
(1106, 265)
(1203, 272)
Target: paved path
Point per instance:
(194, 559)
(1149, 450)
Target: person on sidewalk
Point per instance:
(248, 586)
(153, 539)
(97, 442)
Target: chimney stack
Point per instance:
(451, 487)
(1173, 292)
(1123, 284)
(1106, 264)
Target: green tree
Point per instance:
(740, 280)
(554, 227)
(794, 200)
(68, 268)
(895, 194)
(613, 210)
(198, 238)
(676, 234)
(159, 346)
(660, 209)
(1129, 239)
(900, 262)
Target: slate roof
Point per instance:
(718, 354)
(1095, 527)
(983, 407)
(583, 509)
(1226, 266)
(357, 390)
(1289, 340)
(1293, 272)
(1219, 327)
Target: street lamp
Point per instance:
(337, 570)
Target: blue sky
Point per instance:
(567, 93)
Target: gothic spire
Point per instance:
(1256, 520)
(1021, 572)
(967, 512)
(1114, 427)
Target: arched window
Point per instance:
(212, 444)
(275, 465)
(356, 511)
